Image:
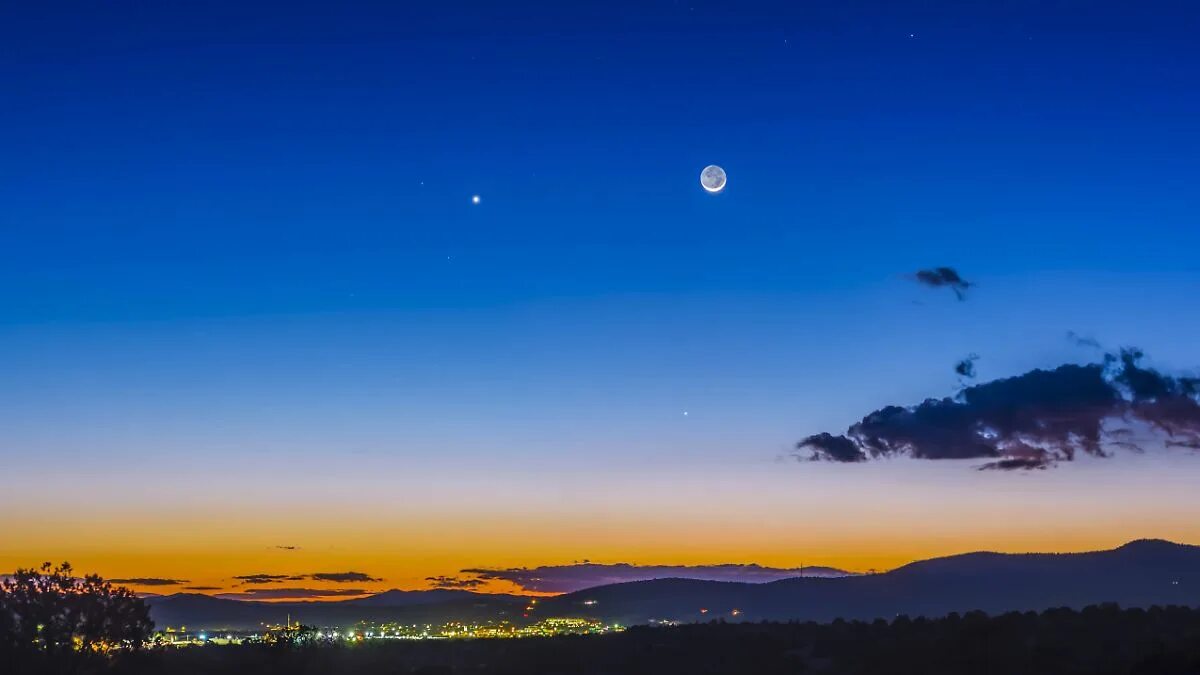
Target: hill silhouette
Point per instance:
(1139, 574)
(398, 598)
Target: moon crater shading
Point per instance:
(712, 178)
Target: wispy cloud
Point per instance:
(1083, 341)
(148, 581)
(965, 368)
(943, 277)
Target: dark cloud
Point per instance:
(944, 277)
(567, 578)
(1015, 463)
(148, 581)
(343, 577)
(965, 368)
(202, 588)
(1032, 420)
(834, 448)
(456, 583)
(268, 578)
(332, 577)
(292, 593)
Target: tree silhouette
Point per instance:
(49, 613)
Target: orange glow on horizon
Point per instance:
(855, 518)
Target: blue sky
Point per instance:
(230, 232)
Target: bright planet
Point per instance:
(712, 178)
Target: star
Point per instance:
(475, 199)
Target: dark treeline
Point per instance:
(1097, 640)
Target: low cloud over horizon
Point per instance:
(148, 581)
(267, 578)
(292, 593)
(1031, 421)
(455, 583)
(331, 577)
(343, 577)
(568, 578)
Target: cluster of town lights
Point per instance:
(292, 632)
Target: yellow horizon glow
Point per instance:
(855, 518)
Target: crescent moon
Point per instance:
(713, 178)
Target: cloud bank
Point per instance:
(1030, 421)
(568, 578)
(331, 577)
(292, 593)
(343, 577)
(455, 583)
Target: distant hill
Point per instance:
(399, 598)
(197, 609)
(577, 576)
(1138, 574)
(820, 571)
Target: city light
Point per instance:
(297, 633)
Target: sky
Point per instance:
(252, 320)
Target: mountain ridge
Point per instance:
(1137, 574)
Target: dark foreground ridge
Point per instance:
(1103, 640)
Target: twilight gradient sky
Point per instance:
(246, 301)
